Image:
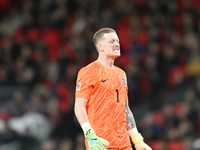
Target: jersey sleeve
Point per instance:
(84, 83)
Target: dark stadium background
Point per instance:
(43, 44)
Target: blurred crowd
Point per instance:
(43, 44)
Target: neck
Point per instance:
(106, 62)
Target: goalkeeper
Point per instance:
(101, 104)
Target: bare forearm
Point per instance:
(130, 118)
(80, 111)
(131, 125)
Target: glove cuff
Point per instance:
(88, 132)
(137, 138)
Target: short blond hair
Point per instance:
(99, 34)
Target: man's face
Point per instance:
(110, 45)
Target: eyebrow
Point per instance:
(114, 40)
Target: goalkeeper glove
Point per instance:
(94, 142)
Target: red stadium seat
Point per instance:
(159, 118)
(154, 145)
(33, 35)
(157, 144)
(175, 145)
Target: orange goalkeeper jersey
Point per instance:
(106, 91)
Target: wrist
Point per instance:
(85, 125)
(87, 130)
(133, 131)
(137, 138)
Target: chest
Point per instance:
(111, 83)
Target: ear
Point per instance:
(99, 47)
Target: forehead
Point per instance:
(110, 36)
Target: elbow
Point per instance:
(77, 109)
(80, 110)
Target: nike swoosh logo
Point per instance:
(104, 80)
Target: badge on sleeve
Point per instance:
(124, 81)
(78, 86)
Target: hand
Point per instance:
(139, 143)
(94, 142)
(142, 146)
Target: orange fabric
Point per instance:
(125, 148)
(106, 91)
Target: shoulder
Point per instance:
(89, 69)
(122, 75)
(121, 71)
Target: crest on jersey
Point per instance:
(124, 81)
(78, 86)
